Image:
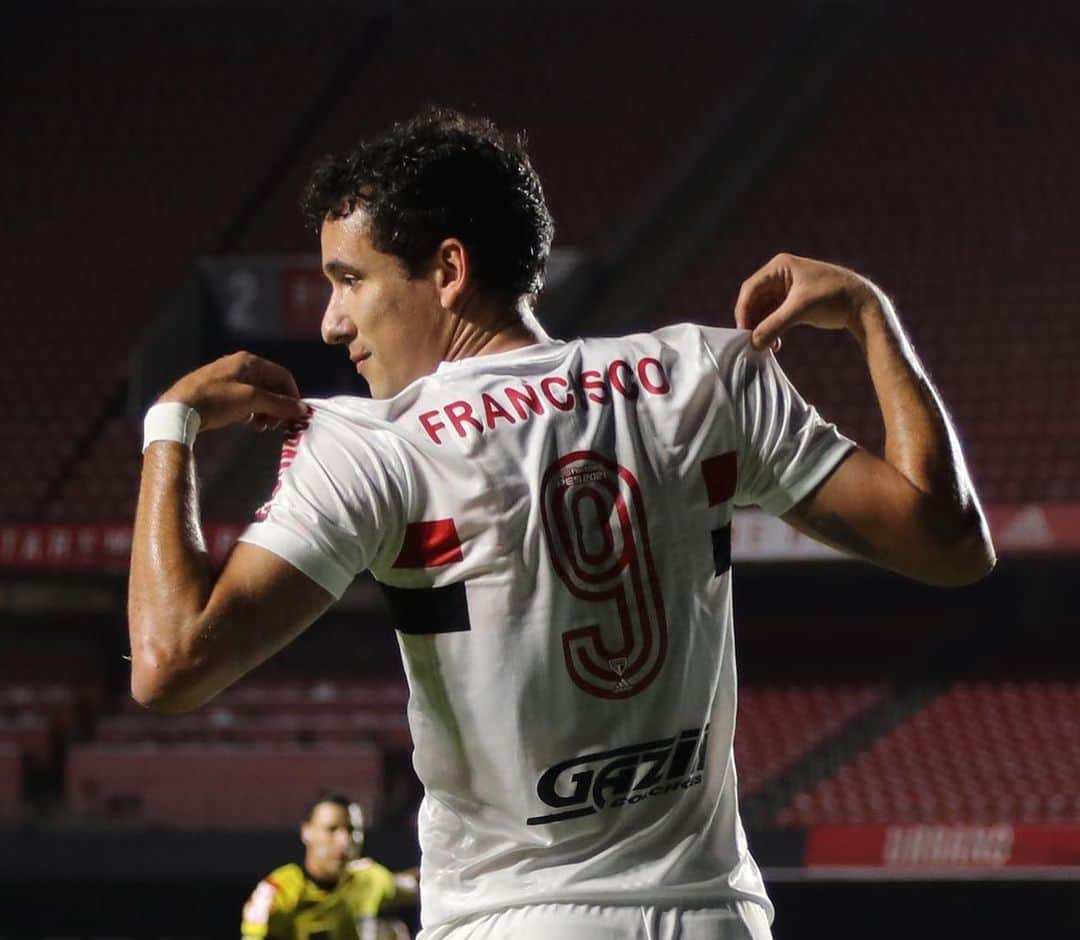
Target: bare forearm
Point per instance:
(193, 632)
(170, 573)
(920, 441)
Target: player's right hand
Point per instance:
(792, 291)
(237, 389)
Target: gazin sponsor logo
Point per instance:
(621, 777)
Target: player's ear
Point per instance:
(452, 271)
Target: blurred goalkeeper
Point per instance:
(335, 894)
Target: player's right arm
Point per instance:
(191, 634)
(268, 913)
(914, 510)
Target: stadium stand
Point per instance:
(285, 737)
(288, 710)
(895, 179)
(325, 695)
(538, 73)
(981, 753)
(39, 720)
(779, 724)
(68, 707)
(212, 786)
(256, 84)
(137, 183)
(10, 781)
(220, 725)
(827, 198)
(32, 738)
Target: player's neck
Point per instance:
(486, 328)
(324, 880)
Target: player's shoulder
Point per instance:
(726, 349)
(718, 339)
(277, 895)
(348, 412)
(338, 429)
(287, 883)
(678, 338)
(366, 868)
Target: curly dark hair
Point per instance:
(337, 797)
(444, 174)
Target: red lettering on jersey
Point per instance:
(563, 393)
(721, 474)
(429, 544)
(427, 420)
(593, 384)
(460, 413)
(519, 399)
(493, 410)
(629, 389)
(566, 404)
(662, 386)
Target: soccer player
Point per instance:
(550, 522)
(334, 894)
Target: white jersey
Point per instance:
(552, 528)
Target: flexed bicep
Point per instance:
(258, 605)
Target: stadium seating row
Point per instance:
(777, 725)
(390, 731)
(213, 786)
(981, 752)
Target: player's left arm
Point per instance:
(191, 634)
(914, 510)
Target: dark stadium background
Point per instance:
(908, 756)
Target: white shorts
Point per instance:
(739, 920)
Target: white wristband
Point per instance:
(170, 421)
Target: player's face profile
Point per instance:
(390, 323)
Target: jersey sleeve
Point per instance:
(260, 915)
(337, 501)
(785, 448)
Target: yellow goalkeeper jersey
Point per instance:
(288, 905)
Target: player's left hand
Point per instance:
(789, 291)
